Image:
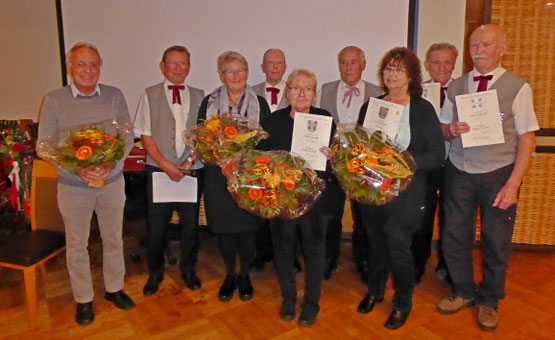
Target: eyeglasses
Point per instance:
(297, 90)
(394, 70)
(240, 71)
(177, 63)
(82, 65)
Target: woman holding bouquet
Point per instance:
(311, 227)
(390, 227)
(235, 227)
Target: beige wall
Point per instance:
(29, 57)
(441, 21)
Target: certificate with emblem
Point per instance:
(310, 133)
(480, 111)
(432, 93)
(383, 116)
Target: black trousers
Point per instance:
(464, 193)
(264, 241)
(359, 239)
(232, 244)
(158, 217)
(312, 235)
(335, 194)
(389, 248)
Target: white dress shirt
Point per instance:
(346, 114)
(180, 113)
(281, 87)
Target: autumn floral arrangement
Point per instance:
(223, 136)
(87, 146)
(272, 183)
(370, 169)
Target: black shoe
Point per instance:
(245, 287)
(287, 310)
(151, 286)
(367, 304)
(120, 299)
(396, 319)
(298, 267)
(308, 315)
(84, 314)
(191, 281)
(227, 288)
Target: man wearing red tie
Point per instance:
(343, 99)
(165, 110)
(273, 66)
(440, 63)
(487, 176)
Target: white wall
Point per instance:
(29, 58)
(441, 21)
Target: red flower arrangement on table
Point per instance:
(272, 183)
(85, 146)
(223, 136)
(369, 169)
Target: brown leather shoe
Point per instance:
(487, 318)
(453, 304)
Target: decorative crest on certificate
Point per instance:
(480, 111)
(383, 116)
(432, 93)
(310, 133)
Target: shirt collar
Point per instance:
(168, 83)
(75, 91)
(280, 85)
(342, 84)
(496, 71)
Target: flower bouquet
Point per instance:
(272, 183)
(85, 146)
(369, 169)
(223, 136)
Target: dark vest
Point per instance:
(487, 158)
(162, 123)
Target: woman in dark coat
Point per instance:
(311, 227)
(390, 227)
(236, 228)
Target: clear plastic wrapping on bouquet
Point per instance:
(272, 183)
(86, 145)
(371, 169)
(223, 136)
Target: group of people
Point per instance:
(394, 238)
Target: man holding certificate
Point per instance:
(165, 110)
(305, 130)
(485, 172)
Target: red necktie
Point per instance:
(442, 95)
(349, 93)
(176, 98)
(483, 84)
(275, 92)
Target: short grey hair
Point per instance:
(230, 56)
(358, 49)
(81, 44)
(441, 46)
(301, 72)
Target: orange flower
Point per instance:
(289, 183)
(353, 165)
(83, 153)
(255, 194)
(386, 184)
(263, 160)
(110, 138)
(387, 151)
(230, 131)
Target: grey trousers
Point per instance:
(77, 205)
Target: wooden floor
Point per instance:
(174, 312)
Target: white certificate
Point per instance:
(432, 93)
(165, 190)
(383, 116)
(480, 111)
(310, 133)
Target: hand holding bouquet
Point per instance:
(369, 169)
(89, 150)
(223, 136)
(272, 183)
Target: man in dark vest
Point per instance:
(440, 63)
(486, 176)
(165, 110)
(343, 99)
